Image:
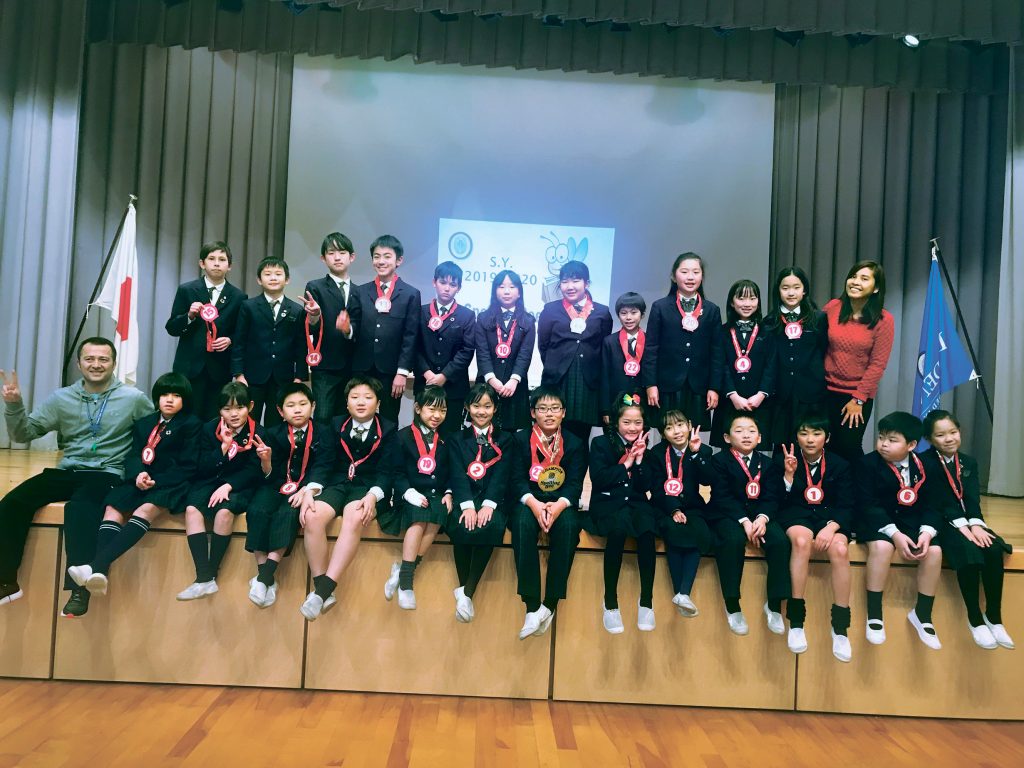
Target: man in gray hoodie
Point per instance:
(93, 419)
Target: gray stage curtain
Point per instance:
(1008, 436)
(41, 45)
(873, 174)
(202, 139)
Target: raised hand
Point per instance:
(312, 308)
(695, 441)
(11, 390)
(789, 463)
(193, 309)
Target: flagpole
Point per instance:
(96, 289)
(963, 326)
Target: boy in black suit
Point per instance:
(269, 350)
(385, 336)
(744, 498)
(203, 317)
(896, 513)
(622, 353)
(446, 344)
(548, 467)
(329, 319)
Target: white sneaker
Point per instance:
(97, 583)
(644, 618)
(738, 623)
(928, 638)
(546, 617)
(530, 625)
(197, 590)
(775, 623)
(257, 592)
(391, 585)
(271, 595)
(612, 621)
(80, 574)
(874, 636)
(464, 612)
(841, 647)
(329, 603)
(312, 607)
(983, 637)
(685, 606)
(999, 633)
(407, 600)
(796, 640)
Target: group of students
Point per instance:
(235, 432)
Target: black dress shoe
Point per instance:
(78, 604)
(9, 592)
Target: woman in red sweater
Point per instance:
(860, 334)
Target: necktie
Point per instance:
(689, 304)
(359, 433)
(746, 460)
(481, 438)
(815, 469)
(300, 436)
(791, 317)
(905, 473)
(632, 346)
(442, 310)
(341, 289)
(275, 307)
(384, 287)
(213, 292)
(578, 307)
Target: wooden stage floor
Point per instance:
(112, 725)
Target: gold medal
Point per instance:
(551, 478)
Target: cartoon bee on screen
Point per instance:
(557, 254)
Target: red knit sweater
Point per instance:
(856, 355)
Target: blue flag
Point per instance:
(942, 363)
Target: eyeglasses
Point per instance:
(545, 409)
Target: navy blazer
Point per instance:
(612, 485)
(242, 472)
(837, 503)
(402, 461)
(677, 358)
(321, 455)
(800, 363)
(613, 377)
(559, 346)
(191, 356)
(448, 350)
(760, 377)
(695, 473)
(335, 347)
(493, 486)
(940, 492)
(175, 456)
(264, 350)
(877, 486)
(729, 484)
(386, 342)
(574, 462)
(488, 326)
(371, 471)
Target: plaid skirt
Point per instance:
(272, 522)
(198, 496)
(581, 402)
(127, 497)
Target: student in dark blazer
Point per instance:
(569, 336)
(203, 353)
(505, 337)
(270, 349)
(800, 331)
(389, 312)
(684, 362)
(622, 354)
(331, 319)
(548, 468)
(816, 510)
(446, 343)
(748, 354)
(744, 501)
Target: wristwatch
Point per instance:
(858, 401)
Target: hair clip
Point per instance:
(631, 399)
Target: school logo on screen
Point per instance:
(460, 245)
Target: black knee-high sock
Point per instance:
(732, 605)
(840, 619)
(265, 572)
(130, 535)
(551, 603)
(463, 554)
(874, 607)
(107, 533)
(923, 608)
(612, 565)
(682, 567)
(200, 555)
(406, 573)
(324, 585)
(218, 548)
(646, 560)
(969, 579)
(796, 612)
(775, 604)
(480, 557)
(532, 605)
(992, 579)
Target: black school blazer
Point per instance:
(191, 357)
(559, 346)
(175, 455)
(677, 358)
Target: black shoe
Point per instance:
(9, 592)
(77, 605)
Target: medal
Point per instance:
(234, 448)
(209, 313)
(504, 348)
(813, 493)
(382, 305)
(690, 319)
(907, 495)
(794, 331)
(551, 478)
(958, 484)
(149, 452)
(477, 468)
(313, 356)
(437, 321)
(632, 365)
(742, 364)
(426, 464)
(577, 325)
(674, 483)
(535, 471)
(313, 359)
(547, 473)
(673, 487)
(578, 320)
(753, 487)
(383, 302)
(631, 368)
(291, 486)
(353, 463)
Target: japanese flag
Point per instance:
(120, 295)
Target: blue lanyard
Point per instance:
(95, 421)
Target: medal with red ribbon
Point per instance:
(209, 314)
(383, 302)
(753, 488)
(578, 320)
(426, 464)
(907, 495)
(674, 483)
(691, 320)
(742, 364)
(793, 329)
(234, 448)
(437, 321)
(547, 472)
(504, 348)
(477, 468)
(958, 484)
(157, 433)
(813, 493)
(353, 462)
(291, 486)
(313, 356)
(632, 365)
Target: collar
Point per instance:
(814, 463)
(632, 336)
(361, 424)
(210, 285)
(905, 464)
(481, 432)
(270, 299)
(425, 430)
(677, 451)
(794, 311)
(339, 281)
(743, 455)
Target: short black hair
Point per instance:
(673, 416)
(336, 241)
(449, 269)
(365, 381)
(272, 261)
(622, 402)
(431, 395)
(742, 288)
(480, 390)
(901, 423)
(234, 392)
(173, 384)
(739, 415)
(215, 245)
(293, 388)
(631, 300)
(935, 417)
(388, 241)
(545, 391)
(97, 341)
(574, 270)
(812, 419)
